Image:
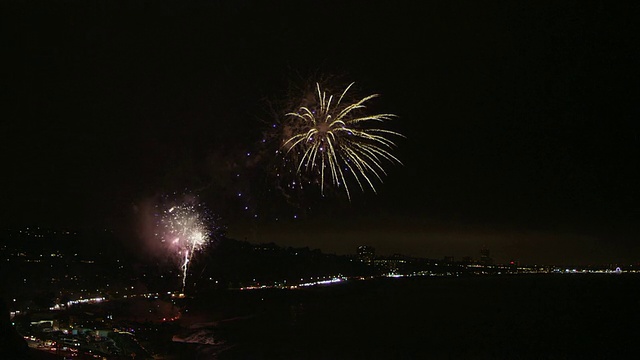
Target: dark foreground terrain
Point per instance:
(563, 316)
(541, 316)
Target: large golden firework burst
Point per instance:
(333, 139)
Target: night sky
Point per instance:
(520, 120)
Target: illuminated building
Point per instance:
(366, 253)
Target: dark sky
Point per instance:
(520, 119)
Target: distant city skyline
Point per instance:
(450, 246)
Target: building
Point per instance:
(485, 256)
(366, 253)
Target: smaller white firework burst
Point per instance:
(185, 229)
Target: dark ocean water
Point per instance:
(562, 316)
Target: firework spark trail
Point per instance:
(184, 229)
(185, 268)
(335, 138)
